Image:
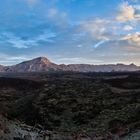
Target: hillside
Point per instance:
(91, 104)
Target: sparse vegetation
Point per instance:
(73, 102)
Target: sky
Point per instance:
(70, 31)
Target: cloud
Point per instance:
(52, 12)
(128, 12)
(127, 28)
(97, 28)
(100, 43)
(105, 31)
(133, 39)
(15, 41)
(6, 59)
(19, 42)
(55, 13)
(57, 17)
(79, 45)
(99, 31)
(46, 37)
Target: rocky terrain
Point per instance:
(73, 105)
(42, 64)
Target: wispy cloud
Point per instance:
(19, 42)
(100, 43)
(6, 59)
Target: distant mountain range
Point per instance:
(43, 64)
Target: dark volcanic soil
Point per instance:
(19, 84)
(73, 102)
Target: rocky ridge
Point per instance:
(43, 64)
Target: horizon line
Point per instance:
(119, 63)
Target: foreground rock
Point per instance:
(11, 130)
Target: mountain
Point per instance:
(102, 68)
(39, 64)
(1, 68)
(43, 64)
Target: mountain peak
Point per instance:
(43, 60)
(132, 64)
